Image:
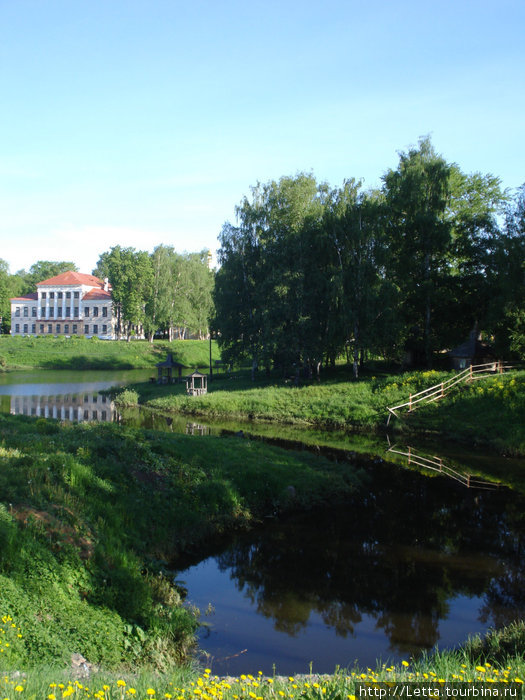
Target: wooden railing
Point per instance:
(438, 391)
(436, 464)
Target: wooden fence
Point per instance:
(439, 391)
(436, 464)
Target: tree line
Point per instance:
(309, 272)
(163, 293)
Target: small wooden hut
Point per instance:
(169, 371)
(471, 352)
(196, 384)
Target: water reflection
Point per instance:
(416, 562)
(74, 407)
(434, 463)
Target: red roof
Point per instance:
(27, 297)
(96, 294)
(73, 279)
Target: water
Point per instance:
(63, 395)
(419, 561)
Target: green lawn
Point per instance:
(82, 353)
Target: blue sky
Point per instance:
(139, 122)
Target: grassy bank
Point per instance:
(94, 517)
(481, 663)
(486, 412)
(82, 353)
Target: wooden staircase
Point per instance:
(439, 391)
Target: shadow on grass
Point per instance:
(84, 362)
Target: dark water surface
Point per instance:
(419, 560)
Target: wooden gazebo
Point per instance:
(166, 371)
(196, 384)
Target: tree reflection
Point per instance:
(399, 555)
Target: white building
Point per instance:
(69, 304)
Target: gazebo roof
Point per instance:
(169, 362)
(196, 374)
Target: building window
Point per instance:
(59, 312)
(105, 311)
(17, 311)
(51, 295)
(75, 295)
(49, 328)
(68, 295)
(26, 327)
(42, 328)
(33, 311)
(75, 313)
(59, 295)
(26, 312)
(104, 329)
(66, 328)
(58, 328)
(95, 329)
(75, 329)
(86, 329)
(17, 328)
(95, 311)
(43, 295)
(33, 328)
(43, 311)
(51, 312)
(86, 311)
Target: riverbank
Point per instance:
(79, 353)
(494, 664)
(94, 517)
(488, 412)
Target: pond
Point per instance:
(421, 560)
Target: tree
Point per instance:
(5, 306)
(40, 271)
(261, 287)
(181, 295)
(417, 196)
(130, 274)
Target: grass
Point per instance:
(458, 667)
(94, 517)
(488, 412)
(81, 353)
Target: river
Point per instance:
(422, 560)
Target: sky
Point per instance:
(141, 122)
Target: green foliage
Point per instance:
(127, 397)
(497, 645)
(310, 273)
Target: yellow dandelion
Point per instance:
(150, 691)
(405, 663)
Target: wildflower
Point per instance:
(481, 669)
(19, 688)
(121, 683)
(150, 691)
(405, 663)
